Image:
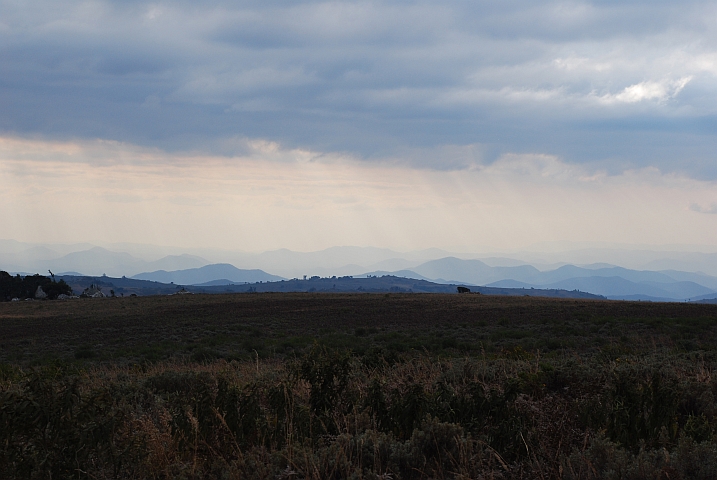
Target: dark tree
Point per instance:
(25, 287)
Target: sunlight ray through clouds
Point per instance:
(274, 197)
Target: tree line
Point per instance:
(25, 287)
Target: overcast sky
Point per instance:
(267, 124)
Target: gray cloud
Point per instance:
(617, 84)
(711, 209)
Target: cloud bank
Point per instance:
(257, 125)
(621, 85)
(115, 192)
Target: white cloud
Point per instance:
(649, 90)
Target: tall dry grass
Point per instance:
(328, 415)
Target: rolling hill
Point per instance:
(610, 281)
(208, 273)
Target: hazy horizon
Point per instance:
(542, 255)
(548, 247)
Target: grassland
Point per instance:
(357, 386)
(238, 326)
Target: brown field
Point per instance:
(363, 386)
(235, 324)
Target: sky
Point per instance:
(462, 125)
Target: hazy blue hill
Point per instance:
(705, 298)
(385, 284)
(685, 261)
(599, 265)
(498, 271)
(17, 256)
(711, 299)
(393, 265)
(220, 282)
(615, 286)
(699, 278)
(176, 262)
(509, 283)
(97, 261)
(600, 279)
(618, 287)
(428, 253)
(398, 273)
(474, 271)
(36, 253)
(337, 261)
(330, 257)
(571, 271)
(208, 273)
(13, 246)
(503, 262)
(683, 289)
(603, 279)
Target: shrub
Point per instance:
(327, 373)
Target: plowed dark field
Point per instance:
(237, 325)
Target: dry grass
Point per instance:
(629, 393)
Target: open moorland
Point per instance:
(358, 386)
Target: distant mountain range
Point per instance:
(212, 268)
(92, 261)
(124, 286)
(217, 274)
(612, 282)
(386, 283)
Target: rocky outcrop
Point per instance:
(93, 291)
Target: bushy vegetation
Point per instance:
(626, 408)
(25, 287)
(328, 415)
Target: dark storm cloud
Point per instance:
(615, 84)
